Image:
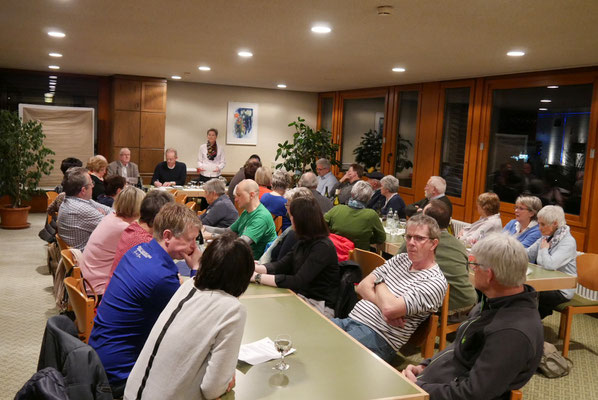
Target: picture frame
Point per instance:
(242, 123)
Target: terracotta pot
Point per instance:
(14, 218)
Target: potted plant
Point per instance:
(369, 151)
(307, 147)
(23, 162)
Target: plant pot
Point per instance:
(14, 218)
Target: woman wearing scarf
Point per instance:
(210, 160)
(354, 221)
(555, 250)
(525, 225)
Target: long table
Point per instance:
(328, 363)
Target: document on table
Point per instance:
(259, 352)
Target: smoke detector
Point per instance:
(385, 10)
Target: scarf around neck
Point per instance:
(558, 235)
(212, 151)
(356, 204)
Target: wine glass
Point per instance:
(283, 345)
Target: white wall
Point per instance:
(193, 108)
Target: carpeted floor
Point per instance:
(26, 302)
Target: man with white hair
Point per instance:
(310, 181)
(326, 179)
(435, 188)
(124, 167)
(499, 347)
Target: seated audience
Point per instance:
(65, 165)
(113, 184)
(400, 294)
(556, 250)
(96, 264)
(393, 201)
(247, 171)
(342, 190)
(124, 167)
(221, 212)
(355, 222)
(275, 201)
(326, 179)
(263, 177)
(499, 347)
(310, 181)
(143, 230)
(97, 170)
(170, 172)
(79, 214)
(311, 270)
(192, 350)
(488, 207)
(525, 225)
(435, 188)
(141, 286)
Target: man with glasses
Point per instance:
(400, 294)
(499, 347)
(124, 167)
(79, 215)
(326, 179)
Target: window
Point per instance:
(538, 140)
(326, 113)
(360, 116)
(406, 133)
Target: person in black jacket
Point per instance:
(170, 172)
(500, 346)
(311, 269)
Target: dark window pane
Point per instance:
(326, 121)
(538, 140)
(454, 136)
(360, 116)
(406, 132)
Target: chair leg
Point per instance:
(567, 338)
(442, 340)
(562, 325)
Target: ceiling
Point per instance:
(432, 39)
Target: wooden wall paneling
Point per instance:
(580, 235)
(149, 158)
(126, 128)
(153, 96)
(590, 203)
(104, 134)
(320, 97)
(390, 133)
(153, 127)
(127, 94)
(337, 127)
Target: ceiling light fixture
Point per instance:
(53, 67)
(398, 69)
(545, 101)
(205, 67)
(543, 109)
(56, 34)
(53, 77)
(321, 29)
(175, 77)
(49, 95)
(55, 54)
(384, 11)
(281, 85)
(516, 53)
(552, 87)
(245, 54)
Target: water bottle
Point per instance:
(395, 221)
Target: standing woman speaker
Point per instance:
(210, 160)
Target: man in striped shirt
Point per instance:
(400, 294)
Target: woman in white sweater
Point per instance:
(210, 159)
(195, 341)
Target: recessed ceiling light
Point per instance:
(53, 77)
(52, 87)
(56, 34)
(543, 109)
(245, 54)
(55, 54)
(552, 87)
(49, 95)
(321, 29)
(281, 85)
(53, 67)
(545, 101)
(398, 69)
(516, 53)
(52, 82)
(206, 68)
(175, 77)
(48, 99)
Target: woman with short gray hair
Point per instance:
(555, 250)
(389, 189)
(354, 221)
(221, 212)
(525, 225)
(275, 201)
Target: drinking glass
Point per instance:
(283, 345)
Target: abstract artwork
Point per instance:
(242, 124)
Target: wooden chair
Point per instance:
(277, 223)
(587, 276)
(190, 205)
(424, 336)
(444, 328)
(180, 198)
(71, 268)
(516, 395)
(50, 197)
(202, 212)
(83, 306)
(367, 260)
(61, 243)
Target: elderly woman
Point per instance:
(97, 166)
(389, 188)
(311, 269)
(197, 337)
(555, 250)
(525, 225)
(221, 212)
(99, 252)
(488, 208)
(355, 222)
(275, 201)
(263, 177)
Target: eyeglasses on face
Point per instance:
(473, 266)
(417, 238)
(520, 208)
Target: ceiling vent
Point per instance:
(385, 10)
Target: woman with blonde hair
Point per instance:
(525, 225)
(97, 166)
(263, 177)
(99, 252)
(488, 208)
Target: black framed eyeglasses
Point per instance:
(472, 266)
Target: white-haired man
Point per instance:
(124, 167)
(326, 179)
(499, 347)
(435, 188)
(310, 181)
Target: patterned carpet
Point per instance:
(26, 302)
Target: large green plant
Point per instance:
(369, 150)
(23, 157)
(307, 147)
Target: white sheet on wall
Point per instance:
(69, 133)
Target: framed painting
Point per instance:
(242, 123)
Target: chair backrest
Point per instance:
(277, 223)
(51, 196)
(587, 270)
(367, 260)
(61, 243)
(82, 306)
(457, 226)
(202, 212)
(180, 198)
(190, 205)
(69, 261)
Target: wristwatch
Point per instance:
(378, 281)
(258, 279)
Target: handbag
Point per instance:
(553, 364)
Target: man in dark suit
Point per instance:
(124, 167)
(434, 189)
